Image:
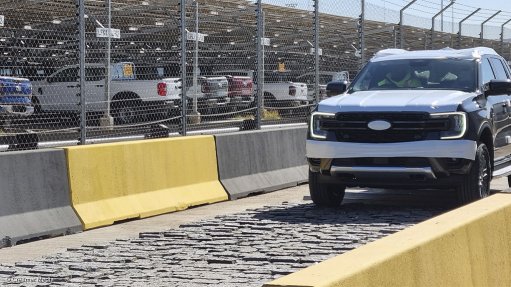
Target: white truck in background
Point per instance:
(278, 90)
(131, 100)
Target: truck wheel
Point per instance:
(476, 184)
(327, 195)
(126, 111)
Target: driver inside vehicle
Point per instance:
(401, 76)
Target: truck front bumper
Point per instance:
(430, 149)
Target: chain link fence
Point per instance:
(88, 71)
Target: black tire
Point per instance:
(476, 184)
(126, 111)
(326, 195)
(37, 105)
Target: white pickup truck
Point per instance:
(130, 100)
(279, 90)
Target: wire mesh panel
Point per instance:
(35, 39)
(135, 52)
(339, 40)
(288, 60)
(220, 64)
(132, 68)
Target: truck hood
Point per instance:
(433, 101)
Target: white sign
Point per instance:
(192, 36)
(2, 20)
(108, 33)
(320, 51)
(265, 41)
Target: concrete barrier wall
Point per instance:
(470, 246)
(34, 196)
(117, 181)
(261, 161)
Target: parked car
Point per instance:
(15, 98)
(415, 119)
(131, 99)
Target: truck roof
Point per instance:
(400, 54)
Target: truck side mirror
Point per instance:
(336, 88)
(497, 87)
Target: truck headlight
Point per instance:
(315, 124)
(457, 124)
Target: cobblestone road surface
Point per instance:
(243, 249)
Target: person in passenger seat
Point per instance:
(401, 76)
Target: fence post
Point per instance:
(460, 25)
(316, 52)
(81, 33)
(361, 36)
(502, 36)
(259, 72)
(401, 34)
(184, 103)
(484, 22)
(432, 46)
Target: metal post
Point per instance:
(196, 59)
(81, 28)
(484, 22)
(316, 51)
(401, 34)
(502, 36)
(182, 20)
(460, 25)
(433, 23)
(442, 16)
(107, 120)
(259, 77)
(361, 33)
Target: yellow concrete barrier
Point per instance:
(470, 246)
(117, 181)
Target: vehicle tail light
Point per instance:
(162, 89)
(292, 90)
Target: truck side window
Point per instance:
(67, 75)
(94, 74)
(487, 72)
(499, 69)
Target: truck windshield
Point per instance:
(431, 74)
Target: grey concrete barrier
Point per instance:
(34, 196)
(261, 161)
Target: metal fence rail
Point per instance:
(84, 71)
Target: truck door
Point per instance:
(60, 91)
(502, 111)
(95, 92)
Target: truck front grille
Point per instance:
(405, 127)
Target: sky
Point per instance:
(504, 5)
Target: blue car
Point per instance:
(15, 98)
